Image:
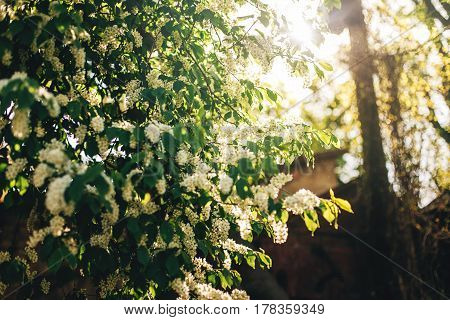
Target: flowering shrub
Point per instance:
(130, 144)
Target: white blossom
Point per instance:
(152, 133)
(20, 125)
(79, 55)
(280, 232)
(237, 294)
(98, 124)
(37, 237)
(137, 38)
(182, 157)
(40, 131)
(103, 145)
(53, 153)
(219, 231)
(41, 173)
(261, 198)
(128, 189)
(62, 100)
(225, 183)
(301, 201)
(15, 168)
(100, 240)
(45, 286)
(7, 57)
(196, 180)
(189, 241)
(133, 90)
(153, 80)
(181, 288)
(80, 133)
(4, 256)
(3, 286)
(55, 200)
(161, 186)
(245, 228)
(56, 226)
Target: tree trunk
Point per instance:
(403, 246)
(378, 198)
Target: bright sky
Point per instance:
(294, 89)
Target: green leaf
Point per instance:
(211, 278)
(134, 228)
(270, 166)
(343, 204)
(178, 85)
(71, 261)
(170, 143)
(22, 185)
(3, 166)
(335, 142)
(76, 188)
(328, 214)
(242, 188)
(122, 135)
(166, 231)
(245, 167)
(172, 265)
(330, 4)
(310, 224)
(251, 259)
(265, 259)
(264, 18)
(319, 72)
(326, 65)
(143, 256)
(272, 95)
(324, 137)
(284, 216)
(46, 248)
(101, 185)
(228, 277)
(223, 280)
(55, 260)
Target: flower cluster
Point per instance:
(4, 256)
(189, 240)
(137, 38)
(225, 183)
(220, 230)
(301, 201)
(182, 157)
(55, 200)
(135, 137)
(191, 287)
(20, 125)
(110, 39)
(15, 168)
(98, 124)
(154, 130)
(45, 286)
(133, 90)
(3, 287)
(79, 55)
(280, 231)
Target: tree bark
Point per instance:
(403, 245)
(378, 197)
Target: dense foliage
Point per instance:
(131, 141)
